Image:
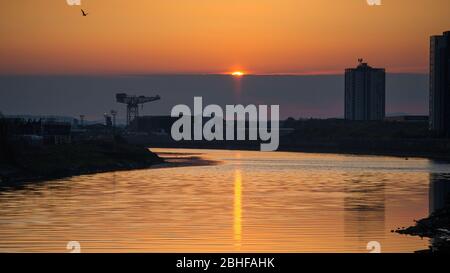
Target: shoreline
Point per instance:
(175, 160)
(24, 164)
(187, 160)
(22, 181)
(436, 227)
(388, 154)
(405, 155)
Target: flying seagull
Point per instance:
(84, 13)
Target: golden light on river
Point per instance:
(237, 208)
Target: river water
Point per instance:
(248, 202)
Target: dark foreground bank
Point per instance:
(436, 227)
(22, 164)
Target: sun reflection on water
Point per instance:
(237, 208)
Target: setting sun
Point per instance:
(238, 73)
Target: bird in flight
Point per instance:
(84, 13)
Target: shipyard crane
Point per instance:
(133, 103)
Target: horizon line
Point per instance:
(190, 74)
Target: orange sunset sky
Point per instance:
(216, 36)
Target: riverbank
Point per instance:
(435, 227)
(384, 138)
(325, 149)
(27, 164)
(173, 159)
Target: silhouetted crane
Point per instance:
(133, 103)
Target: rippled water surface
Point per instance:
(251, 201)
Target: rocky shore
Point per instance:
(436, 227)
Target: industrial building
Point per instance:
(40, 131)
(153, 124)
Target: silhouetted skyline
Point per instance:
(298, 96)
